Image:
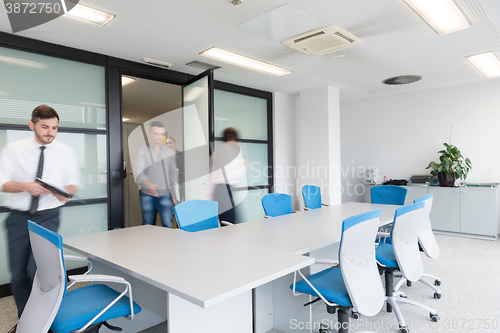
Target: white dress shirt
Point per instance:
(19, 163)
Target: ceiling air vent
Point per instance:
(202, 65)
(403, 79)
(322, 41)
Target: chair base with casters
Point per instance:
(393, 297)
(437, 282)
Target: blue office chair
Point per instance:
(85, 309)
(312, 197)
(356, 282)
(388, 194)
(428, 243)
(197, 215)
(277, 204)
(403, 255)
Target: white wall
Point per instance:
(402, 134)
(285, 143)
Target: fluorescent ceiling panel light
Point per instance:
(242, 61)
(193, 94)
(443, 15)
(125, 119)
(127, 80)
(23, 62)
(487, 63)
(282, 23)
(90, 15)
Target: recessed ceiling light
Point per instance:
(157, 63)
(127, 80)
(443, 15)
(87, 14)
(125, 119)
(487, 63)
(242, 61)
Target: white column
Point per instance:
(285, 144)
(319, 142)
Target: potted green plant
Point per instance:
(452, 166)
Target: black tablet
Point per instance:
(55, 189)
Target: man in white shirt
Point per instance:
(21, 163)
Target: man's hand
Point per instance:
(151, 187)
(61, 198)
(35, 189)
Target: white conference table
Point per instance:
(315, 233)
(210, 275)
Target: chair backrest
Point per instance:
(388, 194)
(312, 196)
(197, 215)
(405, 240)
(49, 284)
(358, 264)
(426, 237)
(276, 204)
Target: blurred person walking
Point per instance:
(226, 169)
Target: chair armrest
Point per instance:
(305, 208)
(267, 217)
(310, 285)
(81, 259)
(226, 223)
(325, 205)
(105, 278)
(326, 262)
(97, 278)
(75, 258)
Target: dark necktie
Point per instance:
(39, 172)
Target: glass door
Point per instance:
(197, 124)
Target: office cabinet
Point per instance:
(478, 211)
(474, 211)
(445, 213)
(415, 192)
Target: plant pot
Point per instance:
(443, 180)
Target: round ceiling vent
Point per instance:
(403, 79)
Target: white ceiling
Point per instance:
(397, 41)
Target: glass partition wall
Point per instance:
(248, 111)
(77, 92)
(85, 89)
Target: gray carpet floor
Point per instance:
(469, 269)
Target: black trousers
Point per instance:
(21, 262)
(224, 196)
